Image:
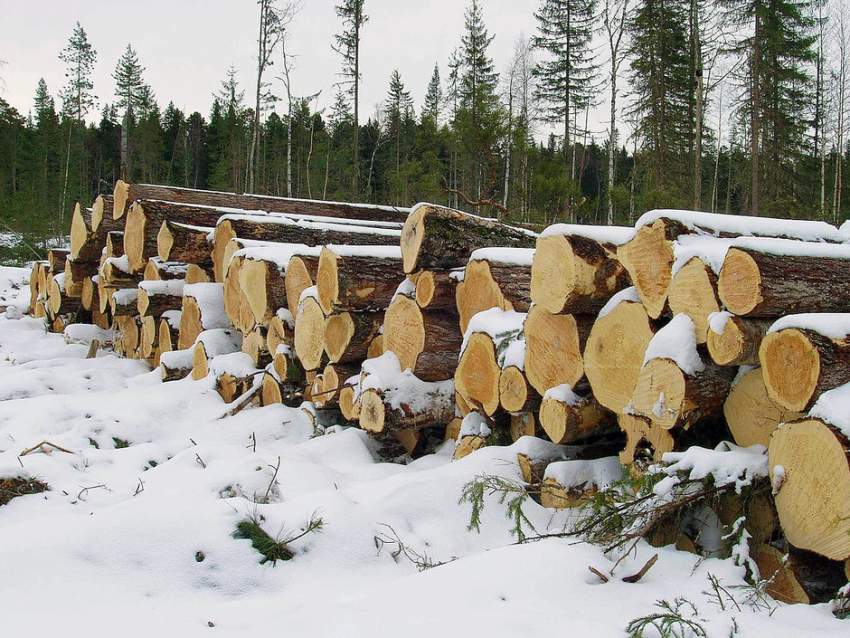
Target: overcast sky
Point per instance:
(186, 46)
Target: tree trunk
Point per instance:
(363, 279)
(182, 242)
(739, 342)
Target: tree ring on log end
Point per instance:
(477, 376)
(134, 237)
(814, 497)
(791, 366)
(660, 393)
(297, 280)
(372, 411)
(552, 273)
(412, 234)
(310, 334)
(513, 389)
(739, 285)
(649, 259)
(327, 280)
(553, 350)
(404, 331)
(338, 332)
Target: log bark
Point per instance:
(76, 273)
(125, 303)
(58, 300)
(310, 334)
(175, 365)
(183, 242)
(125, 193)
(428, 343)
(751, 414)
(799, 365)
(168, 332)
(613, 356)
(671, 397)
(144, 220)
(102, 220)
(157, 297)
(378, 414)
(693, 291)
(739, 342)
(349, 335)
(575, 420)
(56, 258)
(436, 289)
(357, 282)
(760, 284)
(312, 232)
(813, 498)
(436, 238)
(158, 270)
(573, 274)
(300, 274)
(490, 284)
(115, 243)
(554, 345)
(86, 244)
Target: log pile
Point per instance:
(430, 324)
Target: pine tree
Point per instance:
(129, 91)
(776, 90)
(47, 145)
(661, 85)
(348, 46)
(228, 136)
(433, 98)
(566, 80)
(77, 98)
(397, 105)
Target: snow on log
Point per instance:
(774, 277)
(156, 297)
(125, 302)
(568, 418)
(58, 300)
(125, 193)
(426, 342)
(214, 343)
(571, 483)
(752, 416)
(615, 349)
(158, 270)
(735, 341)
(175, 365)
(392, 399)
(554, 345)
(183, 242)
(495, 278)
(649, 255)
(575, 268)
(676, 388)
(805, 355)
(358, 278)
(115, 272)
(311, 231)
(349, 335)
(203, 309)
(435, 237)
(56, 259)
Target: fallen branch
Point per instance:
(636, 577)
(42, 447)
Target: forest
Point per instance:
(731, 106)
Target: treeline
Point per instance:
(735, 106)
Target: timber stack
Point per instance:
(428, 324)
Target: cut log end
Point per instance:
(568, 423)
(739, 285)
(693, 291)
(792, 366)
(739, 342)
(327, 280)
(404, 331)
(660, 393)
(299, 276)
(813, 498)
(338, 332)
(751, 414)
(477, 376)
(649, 259)
(553, 350)
(372, 412)
(309, 334)
(515, 393)
(412, 235)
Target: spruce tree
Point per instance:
(661, 84)
(129, 91)
(433, 98)
(46, 151)
(347, 44)
(77, 99)
(566, 80)
(776, 91)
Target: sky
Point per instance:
(186, 46)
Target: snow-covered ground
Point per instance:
(112, 548)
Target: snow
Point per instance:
(717, 321)
(834, 325)
(111, 547)
(406, 288)
(726, 464)
(709, 249)
(628, 294)
(519, 229)
(378, 252)
(121, 263)
(219, 341)
(598, 473)
(172, 317)
(504, 255)
(716, 223)
(563, 393)
(59, 280)
(14, 288)
(833, 407)
(237, 364)
(677, 341)
(617, 235)
(402, 387)
(125, 296)
(210, 299)
(499, 325)
(312, 291)
(85, 333)
(279, 254)
(474, 424)
(173, 287)
(791, 248)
